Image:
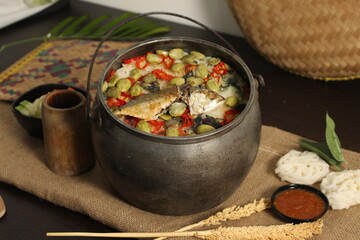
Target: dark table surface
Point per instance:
(288, 102)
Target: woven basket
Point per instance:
(313, 38)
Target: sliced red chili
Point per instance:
(112, 73)
(110, 101)
(124, 94)
(186, 114)
(162, 75)
(230, 115)
(132, 121)
(132, 80)
(189, 67)
(162, 132)
(168, 62)
(142, 63)
(220, 68)
(157, 125)
(134, 59)
(156, 122)
(115, 102)
(218, 78)
(187, 122)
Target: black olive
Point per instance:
(198, 120)
(189, 74)
(211, 121)
(151, 87)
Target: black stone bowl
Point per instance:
(307, 188)
(30, 124)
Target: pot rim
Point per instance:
(183, 139)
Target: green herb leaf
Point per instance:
(322, 150)
(129, 25)
(106, 27)
(91, 27)
(78, 28)
(154, 31)
(74, 26)
(332, 140)
(132, 31)
(56, 30)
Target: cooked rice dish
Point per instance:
(175, 93)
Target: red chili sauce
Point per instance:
(299, 204)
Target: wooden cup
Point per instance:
(67, 136)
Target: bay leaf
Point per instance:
(322, 150)
(332, 139)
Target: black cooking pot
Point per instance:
(176, 175)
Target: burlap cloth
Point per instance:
(22, 165)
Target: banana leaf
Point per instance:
(84, 27)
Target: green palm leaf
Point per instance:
(56, 30)
(127, 26)
(83, 27)
(92, 26)
(112, 23)
(154, 31)
(133, 29)
(74, 26)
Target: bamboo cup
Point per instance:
(66, 130)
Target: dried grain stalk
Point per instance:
(289, 231)
(234, 212)
(273, 232)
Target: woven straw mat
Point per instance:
(313, 38)
(61, 61)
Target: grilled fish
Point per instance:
(149, 106)
(152, 105)
(201, 100)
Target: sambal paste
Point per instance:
(299, 204)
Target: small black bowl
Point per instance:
(34, 125)
(308, 189)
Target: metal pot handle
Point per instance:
(260, 79)
(108, 34)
